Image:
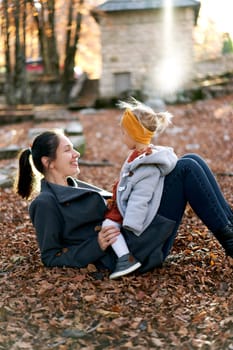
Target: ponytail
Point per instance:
(25, 179)
(163, 119)
(44, 145)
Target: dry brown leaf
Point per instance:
(186, 304)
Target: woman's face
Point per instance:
(66, 162)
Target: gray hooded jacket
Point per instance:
(140, 187)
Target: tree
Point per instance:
(73, 29)
(17, 17)
(44, 16)
(14, 26)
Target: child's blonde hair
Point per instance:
(155, 122)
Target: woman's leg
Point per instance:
(188, 182)
(213, 182)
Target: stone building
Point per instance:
(147, 46)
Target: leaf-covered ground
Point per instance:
(186, 304)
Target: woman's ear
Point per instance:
(45, 161)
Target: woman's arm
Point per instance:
(48, 222)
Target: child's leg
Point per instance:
(120, 247)
(126, 263)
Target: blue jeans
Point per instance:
(193, 182)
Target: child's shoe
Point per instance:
(125, 264)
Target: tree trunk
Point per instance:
(72, 38)
(52, 41)
(20, 77)
(16, 88)
(9, 93)
(45, 21)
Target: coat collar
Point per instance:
(75, 189)
(63, 193)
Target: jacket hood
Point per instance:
(162, 157)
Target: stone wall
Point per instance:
(217, 66)
(42, 90)
(134, 42)
(47, 92)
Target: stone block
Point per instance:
(74, 128)
(9, 152)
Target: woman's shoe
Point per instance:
(125, 265)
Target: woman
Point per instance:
(67, 214)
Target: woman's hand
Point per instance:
(107, 236)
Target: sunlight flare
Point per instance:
(170, 72)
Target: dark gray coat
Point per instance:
(67, 221)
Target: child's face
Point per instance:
(126, 139)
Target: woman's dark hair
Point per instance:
(44, 145)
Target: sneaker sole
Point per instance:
(125, 272)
